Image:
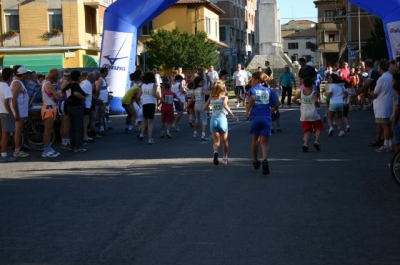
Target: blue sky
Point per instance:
(297, 10)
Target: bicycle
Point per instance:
(395, 167)
(34, 130)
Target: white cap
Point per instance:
(21, 70)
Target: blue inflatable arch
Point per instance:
(122, 20)
(389, 12)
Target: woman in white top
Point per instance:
(49, 111)
(149, 96)
(219, 124)
(335, 94)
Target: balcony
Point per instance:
(12, 41)
(96, 3)
(93, 40)
(330, 47)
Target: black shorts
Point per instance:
(238, 89)
(149, 110)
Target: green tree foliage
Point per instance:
(376, 47)
(171, 49)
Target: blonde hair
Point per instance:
(261, 77)
(52, 75)
(218, 88)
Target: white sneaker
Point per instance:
(150, 141)
(51, 153)
(341, 133)
(238, 105)
(20, 153)
(383, 149)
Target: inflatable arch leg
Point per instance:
(122, 20)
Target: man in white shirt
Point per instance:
(383, 104)
(239, 82)
(7, 123)
(158, 84)
(212, 74)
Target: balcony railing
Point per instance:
(12, 41)
(105, 3)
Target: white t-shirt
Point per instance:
(337, 93)
(147, 94)
(5, 92)
(158, 79)
(213, 76)
(176, 89)
(383, 104)
(240, 77)
(87, 88)
(22, 100)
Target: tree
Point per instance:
(376, 47)
(174, 48)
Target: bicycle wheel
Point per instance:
(34, 135)
(395, 167)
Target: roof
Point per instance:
(310, 32)
(201, 2)
(300, 22)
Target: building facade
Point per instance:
(189, 16)
(51, 33)
(301, 44)
(237, 30)
(341, 30)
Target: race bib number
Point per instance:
(307, 101)
(217, 106)
(147, 92)
(197, 95)
(169, 99)
(262, 97)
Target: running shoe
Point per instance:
(256, 165)
(225, 161)
(162, 135)
(168, 135)
(51, 153)
(203, 138)
(7, 158)
(317, 146)
(215, 159)
(20, 153)
(265, 167)
(80, 150)
(305, 148)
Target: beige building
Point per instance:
(43, 34)
(296, 25)
(338, 31)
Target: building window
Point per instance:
(294, 57)
(216, 29)
(55, 20)
(222, 34)
(311, 46)
(331, 37)
(12, 20)
(293, 45)
(208, 25)
(146, 30)
(329, 15)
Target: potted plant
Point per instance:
(55, 32)
(11, 33)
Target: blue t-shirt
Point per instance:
(265, 99)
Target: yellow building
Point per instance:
(189, 16)
(44, 34)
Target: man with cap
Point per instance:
(287, 82)
(20, 106)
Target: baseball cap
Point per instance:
(21, 70)
(287, 66)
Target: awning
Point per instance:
(90, 60)
(36, 62)
(220, 44)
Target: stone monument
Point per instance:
(268, 39)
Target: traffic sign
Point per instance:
(352, 54)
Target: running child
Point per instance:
(275, 115)
(262, 101)
(167, 108)
(219, 123)
(307, 99)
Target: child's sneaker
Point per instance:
(195, 135)
(330, 132)
(215, 159)
(317, 146)
(305, 148)
(347, 128)
(203, 138)
(168, 136)
(20, 153)
(7, 158)
(225, 161)
(51, 153)
(256, 165)
(341, 134)
(265, 167)
(162, 135)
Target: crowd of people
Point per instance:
(77, 96)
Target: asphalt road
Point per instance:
(126, 202)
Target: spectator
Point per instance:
(62, 107)
(239, 82)
(102, 96)
(49, 111)
(268, 70)
(87, 81)
(75, 112)
(287, 83)
(20, 106)
(7, 122)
